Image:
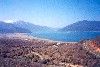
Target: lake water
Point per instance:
(69, 36)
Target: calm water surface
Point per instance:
(66, 37)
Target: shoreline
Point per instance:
(25, 36)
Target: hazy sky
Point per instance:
(51, 13)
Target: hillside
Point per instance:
(83, 26)
(22, 50)
(32, 27)
(11, 28)
(93, 46)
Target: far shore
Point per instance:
(25, 36)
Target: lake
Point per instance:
(70, 36)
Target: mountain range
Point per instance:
(11, 28)
(32, 27)
(82, 26)
(26, 27)
(22, 27)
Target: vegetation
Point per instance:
(18, 52)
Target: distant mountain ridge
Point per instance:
(82, 26)
(11, 28)
(32, 27)
(26, 27)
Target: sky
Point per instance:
(51, 13)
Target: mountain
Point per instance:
(32, 27)
(83, 26)
(11, 28)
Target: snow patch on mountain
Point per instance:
(9, 21)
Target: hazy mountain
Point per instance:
(32, 27)
(11, 28)
(83, 26)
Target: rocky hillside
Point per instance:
(93, 46)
